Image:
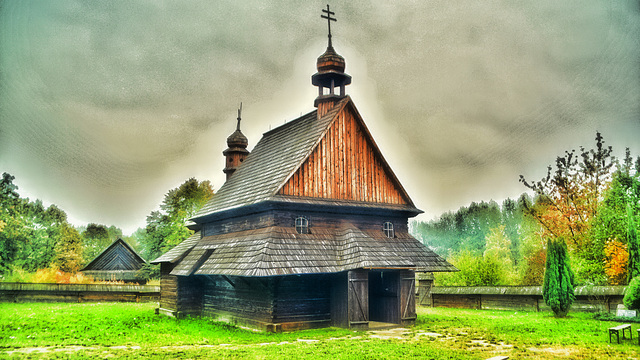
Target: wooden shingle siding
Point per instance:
(357, 171)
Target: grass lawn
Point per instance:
(127, 330)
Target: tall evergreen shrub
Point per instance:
(558, 291)
(633, 265)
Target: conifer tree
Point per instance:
(633, 265)
(558, 291)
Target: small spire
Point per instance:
(329, 20)
(239, 116)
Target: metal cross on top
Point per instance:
(329, 20)
(239, 116)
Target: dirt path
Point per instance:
(397, 334)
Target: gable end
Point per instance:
(346, 164)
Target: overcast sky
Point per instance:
(105, 106)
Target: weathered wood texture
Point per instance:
(346, 165)
(358, 298)
(169, 288)
(271, 304)
(28, 292)
(407, 297)
(117, 256)
(340, 300)
(179, 295)
(317, 219)
(118, 262)
(525, 298)
(425, 283)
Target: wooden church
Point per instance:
(310, 229)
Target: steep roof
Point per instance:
(179, 250)
(277, 250)
(277, 157)
(117, 256)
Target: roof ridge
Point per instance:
(117, 240)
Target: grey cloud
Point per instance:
(119, 100)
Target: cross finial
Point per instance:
(239, 117)
(329, 20)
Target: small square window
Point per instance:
(302, 225)
(387, 228)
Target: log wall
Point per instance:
(316, 219)
(271, 304)
(239, 300)
(524, 298)
(29, 292)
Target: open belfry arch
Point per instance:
(309, 230)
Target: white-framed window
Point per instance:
(302, 225)
(387, 228)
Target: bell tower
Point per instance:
(237, 149)
(330, 75)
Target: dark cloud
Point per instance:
(106, 105)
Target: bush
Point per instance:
(632, 296)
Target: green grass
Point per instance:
(117, 330)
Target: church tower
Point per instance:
(237, 149)
(330, 74)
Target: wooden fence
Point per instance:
(519, 298)
(30, 292)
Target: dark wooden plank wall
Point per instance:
(345, 166)
(190, 295)
(274, 303)
(168, 288)
(302, 301)
(316, 219)
(247, 301)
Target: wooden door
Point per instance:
(408, 296)
(358, 298)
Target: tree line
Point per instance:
(589, 200)
(33, 237)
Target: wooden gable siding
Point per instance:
(345, 165)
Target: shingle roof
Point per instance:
(273, 160)
(282, 251)
(179, 250)
(117, 256)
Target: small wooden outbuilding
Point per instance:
(309, 230)
(118, 262)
